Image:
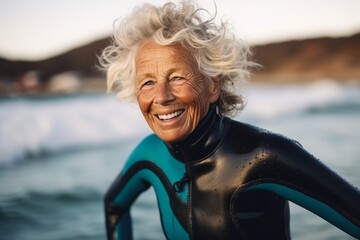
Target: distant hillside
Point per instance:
(302, 60)
(82, 59)
(311, 59)
(71, 71)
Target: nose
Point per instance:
(163, 94)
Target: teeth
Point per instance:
(170, 115)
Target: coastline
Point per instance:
(290, 62)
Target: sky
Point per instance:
(37, 29)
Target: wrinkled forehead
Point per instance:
(153, 53)
(176, 48)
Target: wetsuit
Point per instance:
(229, 180)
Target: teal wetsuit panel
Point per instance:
(319, 208)
(153, 164)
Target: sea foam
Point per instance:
(33, 127)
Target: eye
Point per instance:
(177, 80)
(147, 84)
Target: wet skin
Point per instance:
(172, 94)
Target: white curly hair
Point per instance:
(218, 52)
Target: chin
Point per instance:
(173, 137)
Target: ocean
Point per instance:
(59, 154)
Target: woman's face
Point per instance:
(171, 92)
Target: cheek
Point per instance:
(196, 94)
(143, 104)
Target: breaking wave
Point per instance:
(37, 126)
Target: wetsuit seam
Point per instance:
(134, 169)
(189, 203)
(295, 187)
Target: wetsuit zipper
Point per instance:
(179, 185)
(189, 202)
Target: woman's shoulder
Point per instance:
(248, 133)
(148, 144)
(149, 148)
(150, 141)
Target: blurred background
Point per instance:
(63, 139)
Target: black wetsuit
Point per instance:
(229, 180)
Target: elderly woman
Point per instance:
(214, 178)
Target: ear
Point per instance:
(215, 89)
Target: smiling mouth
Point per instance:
(170, 115)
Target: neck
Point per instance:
(203, 141)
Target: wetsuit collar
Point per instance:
(203, 141)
